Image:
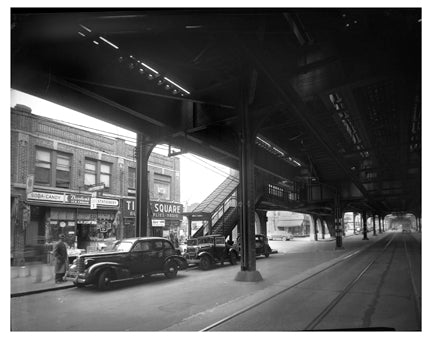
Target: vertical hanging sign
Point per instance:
(30, 183)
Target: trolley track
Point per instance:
(313, 324)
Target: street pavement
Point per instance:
(156, 303)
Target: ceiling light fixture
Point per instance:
(82, 34)
(148, 67)
(279, 151)
(108, 42)
(264, 142)
(86, 28)
(172, 82)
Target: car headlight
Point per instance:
(88, 262)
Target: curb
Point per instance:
(22, 294)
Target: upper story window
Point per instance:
(105, 174)
(46, 161)
(162, 187)
(132, 178)
(97, 172)
(63, 170)
(43, 167)
(90, 172)
(131, 181)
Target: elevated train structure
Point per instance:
(318, 109)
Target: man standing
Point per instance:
(61, 259)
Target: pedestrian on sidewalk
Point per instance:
(61, 259)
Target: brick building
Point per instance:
(82, 184)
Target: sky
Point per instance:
(198, 176)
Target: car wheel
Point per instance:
(233, 258)
(105, 278)
(266, 252)
(171, 269)
(205, 263)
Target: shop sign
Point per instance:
(79, 199)
(86, 217)
(52, 197)
(129, 208)
(158, 223)
(93, 203)
(166, 210)
(75, 199)
(107, 202)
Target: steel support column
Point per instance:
(322, 229)
(247, 186)
(314, 228)
(364, 217)
(143, 223)
(338, 221)
(262, 215)
(379, 224)
(373, 221)
(189, 227)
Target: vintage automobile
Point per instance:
(129, 259)
(261, 245)
(280, 235)
(208, 250)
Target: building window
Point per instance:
(43, 167)
(96, 173)
(131, 181)
(162, 187)
(47, 160)
(105, 175)
(90, 172)
(63, 171)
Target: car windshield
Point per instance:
(123, 246)
(192, 242)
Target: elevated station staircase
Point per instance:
(221, 204)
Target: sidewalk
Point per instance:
(34, 278)
(38, 277)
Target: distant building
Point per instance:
(82, 184)
(296, 223)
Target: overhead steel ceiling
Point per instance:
(337, 90)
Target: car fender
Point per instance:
(202, 254)
(96, 268)
(182, 263)
(233, 250)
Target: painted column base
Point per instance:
(250, 276)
